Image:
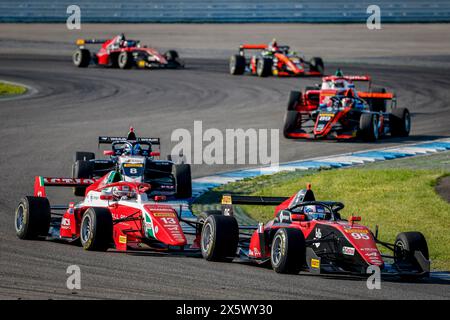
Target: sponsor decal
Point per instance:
(164, 214)
(355, 230)
(122, 239)
(68, 181)
(318, 235)
(315, 263)
(65, 223)
(133, 165)
(349, 251)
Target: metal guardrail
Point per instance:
(225, 10)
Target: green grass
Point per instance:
(396, 199)
(7, 89)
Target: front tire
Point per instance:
(96, 229)
(316, 65)
(183, 180)
(288, 251)
(81, 58)
(400, 122)
(406, 243)
(125, 60)
(32, 218)
(219, 238)
(294, 98)
(291, 123)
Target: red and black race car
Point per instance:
(338, 111)
(119, 52)
(116, 214)
(310, 235)
(274, 60)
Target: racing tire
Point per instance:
(316, 65)
(368, 127)
(378, 105)
(184, 180)
(82, 169)
(264, 67)
(400, 122)
(96, 229)
(81, 155)
(125, 60)
(114, 60)
(171, 56)
(219, 238)
(237, 65)
(291, 123)
(288, 251)
(406, 243)
(294, 98)
(32, 218)
(81, 58)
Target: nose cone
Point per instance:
(166, 227)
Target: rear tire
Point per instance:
(316, 65)
(406, 243)
(237, 65)
(82, 169)
(219, 238)
(400, 122)
(32, 218)
(291, 123)
(368, 127)
(96, 229)
(288, 251)
(294, 98)
(125, 60)
(81, 58)
(264, 67)
(183, 180)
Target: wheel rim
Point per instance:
(407, 122)
(207, 237)
(19, 218)
(232, 65)
(276, 250)
(259, 67)
(85, 229)
(76, 57)
(399, 250)
(123, 59)
(375, 127)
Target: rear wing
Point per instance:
(41, 182)
(348, 78)
(244, 47)
(82, 42)
(109, 140)
(228, 201)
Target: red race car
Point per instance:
(274, 60)
(114, 214)
(310, 235)
(119, 52)
(337, 110)
(309, 100)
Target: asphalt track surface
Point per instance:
(40, 132)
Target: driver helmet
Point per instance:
(347, 102)
(315, 212)
(137, 149)
(121, 40)
(127, 149)
(273, 46)
(123, 193)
